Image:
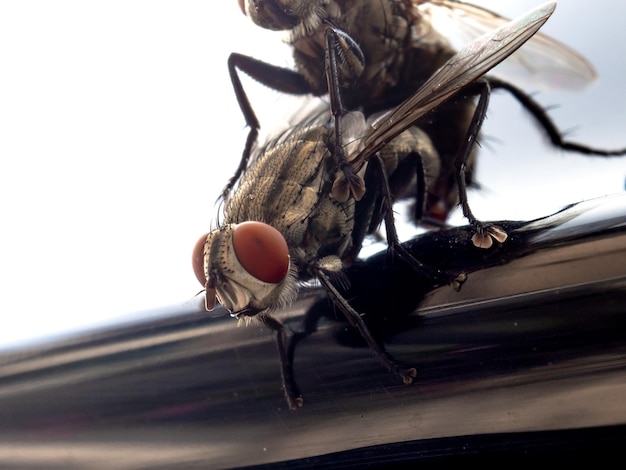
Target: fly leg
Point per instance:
(354, 318)
(553, 133)
(343, 58)
(278, 78)
(485, 233)
(395, 247)
(290, 388)
(310, 321)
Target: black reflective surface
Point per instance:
(529, 356)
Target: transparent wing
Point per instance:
(543, 62)
(471, 62)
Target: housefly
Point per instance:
(373, 54)
(293, 217)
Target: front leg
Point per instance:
(290, 388)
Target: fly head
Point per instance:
(246, 267)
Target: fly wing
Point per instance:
(470, 63)
(543, 62)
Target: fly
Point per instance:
(292, 217)
(373, 54)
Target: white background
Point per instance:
(118, 129)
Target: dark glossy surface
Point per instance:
(534, 341)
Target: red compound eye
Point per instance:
(197, 260)
(262, 251)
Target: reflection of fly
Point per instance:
(373, 54)
(290, 218)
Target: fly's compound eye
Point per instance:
(197, 260)
(262, 251)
